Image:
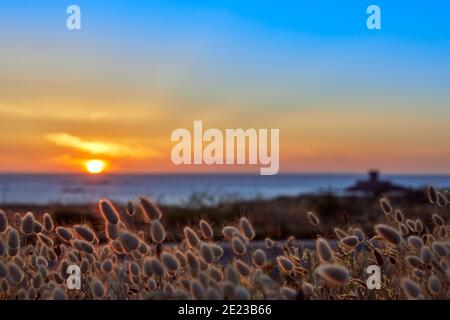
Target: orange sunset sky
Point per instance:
(344, 99)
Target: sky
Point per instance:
(345, 98)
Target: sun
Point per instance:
(95, 166)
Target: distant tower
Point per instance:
(375, 187)
(374, 175)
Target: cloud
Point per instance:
(96, 147)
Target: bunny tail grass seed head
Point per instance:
(37, 228)
(399, 217)
(259, 258)
(191, 237)
(231, 275)
(413, 261)
(288, 293)
(48, 222)
(27, 224)
(426, 256)
(150, 209)
(218, 251)
(112, 232)
(197, 290)
(241, 293)
(157, 232)
(243, 269)
(246, 228)
(3, 270)
(151, 284)
(437, 219)
(229, 232)
(443, 232)
(133, 268)
(17, 219)
(85, 232)
(46, 240)
(388, 233)
(435, 285)
(215, 273)
(97, 288)
(307, 288)
(285, 264)
(206, 230)
(440, 249)
(147, 267)
(129, 241)
(3, 248)
(156, 267)
(333, 274)
(411, 225)
(432, 194)
(442, 200)
(324, 250)
(131, 211)
(340, 233)
(83, 246)
(170, 262)
(403, 229)
(411, 288)
(202, 263)
(350, 241)
(107, 266)
(58, 294)
(238, 246)
(207, 252)
(312, 218)
(192, 261)
(20, 262)
(108, 212)
(415, 242)
(213, 294)
(143, 248)
(22, 294)
(269, 243)
(386, 206)
(13, 239)
(4, 285)
(418, 273)
(3, 222)
(64, 234)
(359, 234)
(15, 272)
(181, 258)
(419, 226)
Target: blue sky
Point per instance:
(424, 21)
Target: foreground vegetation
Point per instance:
(135, 255)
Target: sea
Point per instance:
(183, 189)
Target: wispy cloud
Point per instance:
(97, 147)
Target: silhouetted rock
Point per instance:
(374, 186)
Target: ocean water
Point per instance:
(182, 189)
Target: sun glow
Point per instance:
(95, 166)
